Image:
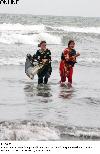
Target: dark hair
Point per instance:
(71, 41)
(41, 43)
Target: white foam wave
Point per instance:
(85, 133)
(36, 131)
(33, 34)
(26, 34)
(22, 28)
(50, 39)
(42, 28)
(29, 39)
(95, 30)
(27, 132)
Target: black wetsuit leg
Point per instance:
(46, 77)
(45, 73)
(40, 79)
(45, 80)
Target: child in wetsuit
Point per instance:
(43, 56)
(68, 60)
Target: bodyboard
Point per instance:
(32, 67)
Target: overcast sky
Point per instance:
(54, 7)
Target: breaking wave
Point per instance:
(93, 30)
(29, 39)
(33, 130)
(33, 34)
(26, 34)
(27, 130)
(23, 29)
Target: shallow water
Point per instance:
(52, 111)
(49, 112)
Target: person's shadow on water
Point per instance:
(33, 90)
(44, 90)
(66, 92)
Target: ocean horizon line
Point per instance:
(69, 16)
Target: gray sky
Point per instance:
(55, 7)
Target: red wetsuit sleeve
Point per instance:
(66, 53)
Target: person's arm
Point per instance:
(65, 55)
(37, 56)
(73, 58)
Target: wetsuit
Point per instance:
(69, 64)
(45, 72)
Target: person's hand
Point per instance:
(78, 54)
(72, 58)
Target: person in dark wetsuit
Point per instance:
(43, 56)
(68, 60)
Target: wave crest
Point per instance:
(26, 34)
(29, 39)
(33, 130)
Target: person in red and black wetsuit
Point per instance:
(68, 60)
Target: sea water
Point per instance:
(29, 111)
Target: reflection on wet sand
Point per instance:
(66, 92)
(44, 90)
(47, 91)
(38, 93)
